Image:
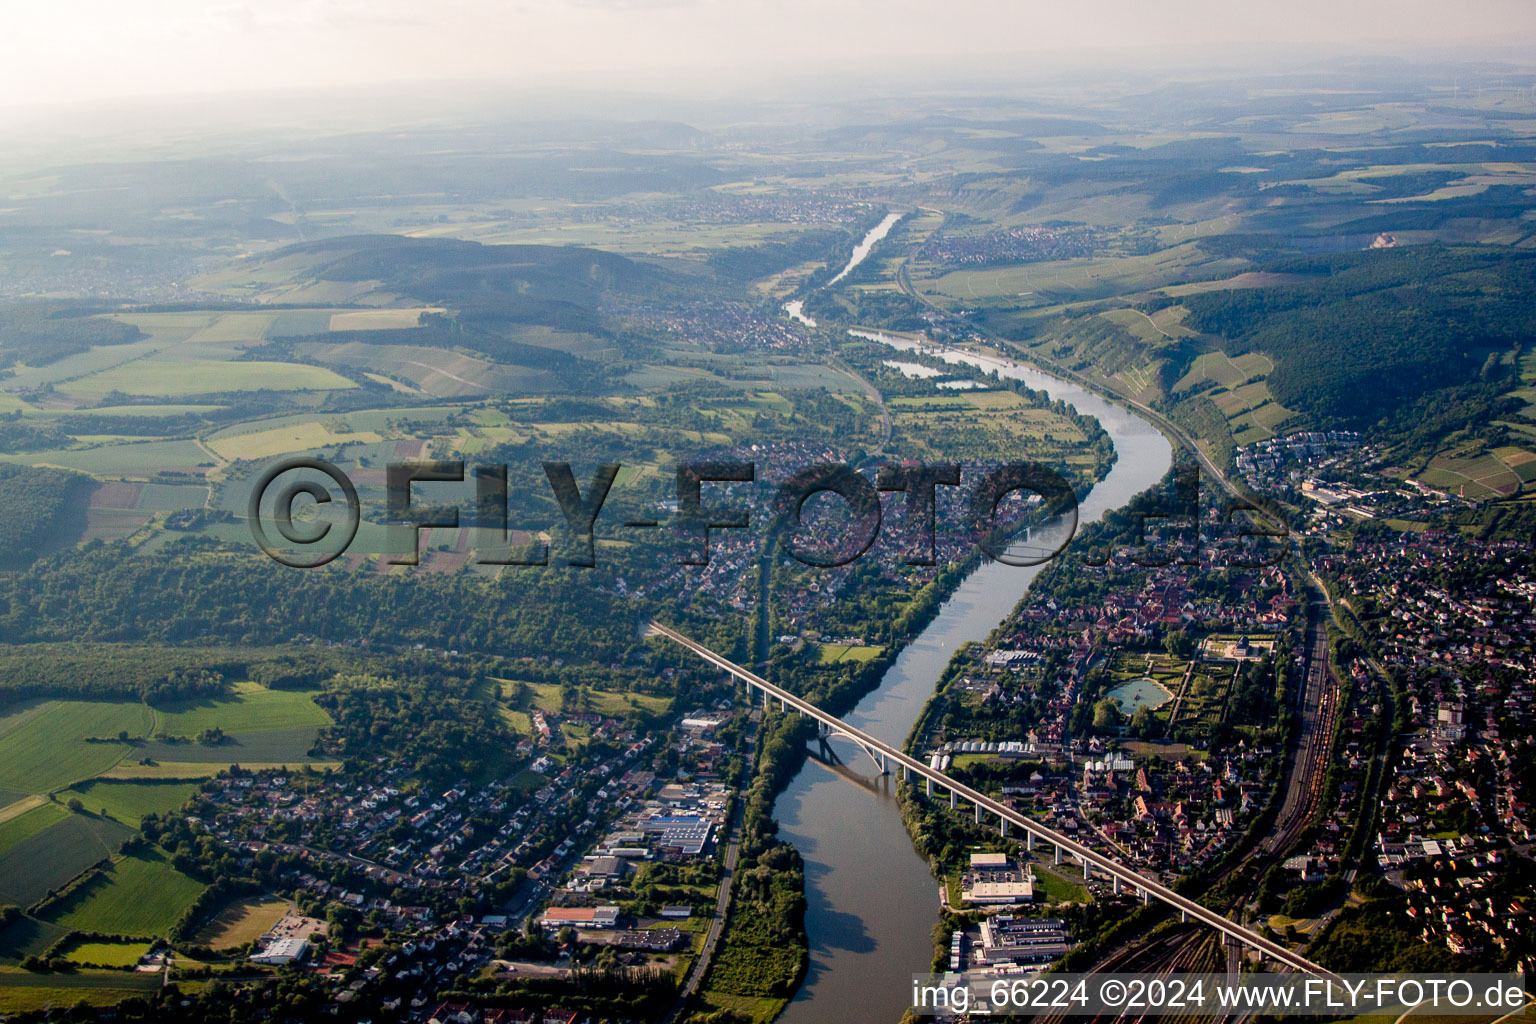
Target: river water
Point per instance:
(872, 903)
(796, 309)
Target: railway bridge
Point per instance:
(884, 756)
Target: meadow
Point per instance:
(129, 802)
(828, 654)
(1077, 280)
(304, 436)
(50, 858)
(267, 746)
(44, 746)
(105, 954)
(23, 991)
(122, 459)
(250, 708)
(546, 697)
(113, 902)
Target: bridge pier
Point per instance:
(1087, 868)
(930, 787)
(1029, 842)
(953, 800)
(1117, 885)
(978, 814)
(1058, 854)
(1146, 897)
(1003, 822)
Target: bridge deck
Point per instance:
(1004, 813)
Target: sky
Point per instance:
(89, 51)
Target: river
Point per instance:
(796, 309)
(872, 903)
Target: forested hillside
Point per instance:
(1372, 331)
(33, 502)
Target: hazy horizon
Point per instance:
(94, 52)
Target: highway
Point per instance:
(887, 756)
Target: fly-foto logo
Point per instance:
(290, 488)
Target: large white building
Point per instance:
(992, 879)
(281, 951)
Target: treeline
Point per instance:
(740, 264)
(20, 435)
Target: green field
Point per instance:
(308, 435)
(252, 708)
(43, 746)
(828, 654)
(114, 902)
(29, 824)
(1049, 282)
(164, 379)
(50, 858)
(265, 747)
(1057, 889)
(134, 461)
(129, 802)
(1479, 473)
(1224, 370)
(107, 954)
(24, 991)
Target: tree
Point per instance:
(1106, 715)
(1178, 644)
(1146, 724)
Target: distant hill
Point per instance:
(489, 285)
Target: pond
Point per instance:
(1141, 693)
